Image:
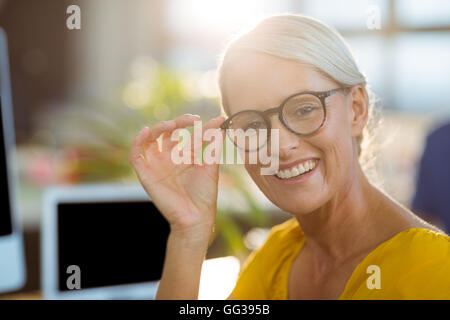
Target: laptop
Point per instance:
(101, 241)
(12, 261)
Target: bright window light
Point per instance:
(218, 278)
(220, 16)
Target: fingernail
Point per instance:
(192, 115)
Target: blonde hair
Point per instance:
(307, 41)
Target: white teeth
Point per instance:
(301, 168)
(297, 170)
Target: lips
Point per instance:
(298, 169)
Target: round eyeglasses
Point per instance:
(302, 113)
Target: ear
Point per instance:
(359, 110)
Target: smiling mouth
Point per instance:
(297, 170)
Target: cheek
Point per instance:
(253, 170)
(335, 142)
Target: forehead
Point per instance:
(260, 81)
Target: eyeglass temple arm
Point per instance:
(330, 92)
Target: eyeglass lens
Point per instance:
(302, 114)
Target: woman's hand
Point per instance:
(186, 194)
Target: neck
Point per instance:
(346, 224)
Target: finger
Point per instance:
(175, 139)
(214, 123)
(212, 169)
(193, 147)
(135, 155)
(212, 153)
(186, 120)
(211, 124)
(151, 144)
(182, 121)
(158, 129)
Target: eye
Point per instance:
(254, 125)
(304, 110)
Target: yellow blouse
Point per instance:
(414, 264)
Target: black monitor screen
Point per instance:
(5, 206)
(112, 243)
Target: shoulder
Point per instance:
(260, 269)
(413, 264)
(417, 244)
(428, 249)
(415, 249)
(423, 272)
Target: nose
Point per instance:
(288, 141)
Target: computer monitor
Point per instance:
(12, 262)
(101, 241)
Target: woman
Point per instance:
(347, 239)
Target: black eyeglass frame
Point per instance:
(322, 95)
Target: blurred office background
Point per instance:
(81, 95)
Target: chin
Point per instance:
(297, 208)
(297, 201)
